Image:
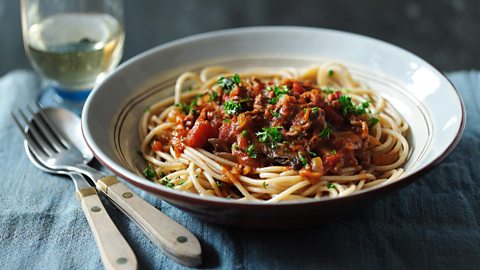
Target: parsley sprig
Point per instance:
(251, 152)
(232, 107)
(149, 173)
(326, 131)
(189, 108)
(302, 159)
(229, 83)
(278, 91)
(373, 121)
(349, 107)
(272, 135)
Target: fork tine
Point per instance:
(49, 126)
(33, 145)
(37, 136)
(46, 132)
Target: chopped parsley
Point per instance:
(226, 120)
(251, 151)
(302, 159)
(330, 73)
(315, 109)
(312, 154)
(326, 131)
(327, 90)
(219, 183)
(244, 133)
(275, 114)
(229, 83)
(330, 185)
(373, 122)
(349, 107)
(278, 91)
(272, 135)
(235, 146)
(334, 152)
(232, 107)
(213, 95)
(190, 108)
(265, 185)
(149, 172)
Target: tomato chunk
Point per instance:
(200, 133)
(156, 146)
(298, 89)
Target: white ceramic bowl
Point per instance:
(424, 97)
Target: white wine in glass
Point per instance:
(73, 45)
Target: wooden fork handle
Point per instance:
(174, 239)
(114, 249)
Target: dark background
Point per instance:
(444, 32)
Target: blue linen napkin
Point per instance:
(431, 224)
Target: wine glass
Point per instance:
(73, 45)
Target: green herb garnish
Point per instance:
(330, 185)
(226, 120)
(312, 154)
(229, 83)
(275, 114)
(213, 95)
(235, 146)
(349, 107)
(149, 172)
(244, 133)
(326, 131)
(330, 73)
(251, 151)
(302, 159)
(373, 122)
(190, 108)
(232, 107)
(166, 182)
(334, 152)
(272, 135)
(265, 185)
(315, 109)
(327, 90)
(278, 91)
(219, 183)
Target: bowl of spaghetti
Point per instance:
(273, 126)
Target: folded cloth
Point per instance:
(431, 224)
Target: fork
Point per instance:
(115, 252)
(55, 152)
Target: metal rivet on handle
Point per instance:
(127, 195)
(122, 260)
(182, 239)
(95, 209)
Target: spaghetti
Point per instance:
(273, 136)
